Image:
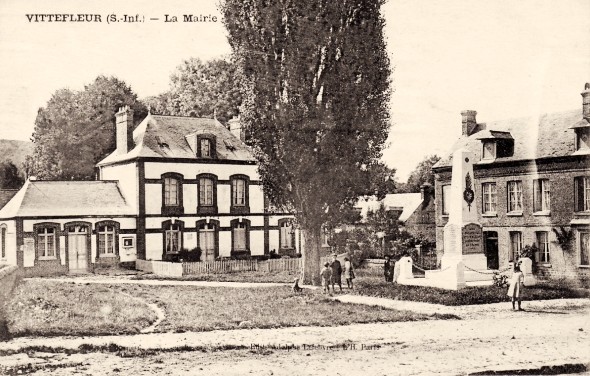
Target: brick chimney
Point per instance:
(468, 122)
(235, 127)
(425, 191)
(124, 127)
(586, 101)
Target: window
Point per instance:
(205, 146)
(240, 236)
(287, 234)
(446, 197)
(239, 194)
(489, 150)
(582, 193)
(582, 139)
(584, 248)
(514, 196)
(3, 241)
(173, 237)
(489, 197)
(515, 245)
(106, 240)
(205, 192)
(46, 242)
(543, 245)
(171, 192)
(542, 195)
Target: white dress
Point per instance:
(514, 289)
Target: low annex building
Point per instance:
(532, 186)
(174, 184)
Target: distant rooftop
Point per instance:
(62, 198)
(407, 203)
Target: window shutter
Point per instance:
(537, 195)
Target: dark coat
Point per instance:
(336, 271)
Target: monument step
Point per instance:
(480, 275)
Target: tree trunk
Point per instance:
(311, 256)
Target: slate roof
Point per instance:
(175, 137)
(6, 195)
(407, 202)
(63, 198)
(548, 136)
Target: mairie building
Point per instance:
(173, 185)
(532, 187)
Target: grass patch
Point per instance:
(558, 289)
(44, 308)
(217, 308)
(250, 277)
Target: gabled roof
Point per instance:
(64, 198)
(548, 136)
(6, 195)
(175, 137)
(407, 203)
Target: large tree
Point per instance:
(316, 93)
(201, 89)
(9, 176)
(76, 129)
(421, 174)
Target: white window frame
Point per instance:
(514, 189)
(205, 151)
(586, 193)
(173, 233)
(515, 244)
(237, 197)
(490, 198)
(43, 236)
(542, 187)
(106, 232)
(171, 198)
(206, 192)
(543, 245)
(286, 235)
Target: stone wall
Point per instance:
(9, 277)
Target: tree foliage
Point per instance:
(76, 129)
(421, 174)
(316, 93)
(201, 89)
(9, 176)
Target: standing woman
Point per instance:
(348, 273)
(516, 286)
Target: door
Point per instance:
(207, 242)
(77, 249)
(491, 249)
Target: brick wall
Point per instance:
(561, 174)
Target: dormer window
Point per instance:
(205, 146)
(489, 150)
(583, 139)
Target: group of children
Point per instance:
(332, 272)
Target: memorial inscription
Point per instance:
(472, 239)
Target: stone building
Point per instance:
(174, 184)
(531, 183)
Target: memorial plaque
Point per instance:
(472, 239)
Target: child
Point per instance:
(348, 273)
(516, 285)
(326, 276)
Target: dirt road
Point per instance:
(488, 338)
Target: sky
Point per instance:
(502, 58)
